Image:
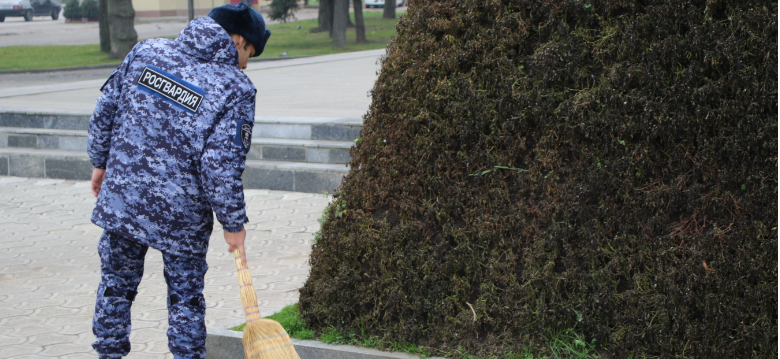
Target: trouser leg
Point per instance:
(121, 269)
(186, 306)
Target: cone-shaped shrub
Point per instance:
(608, 166)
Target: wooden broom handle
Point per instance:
(248, 296)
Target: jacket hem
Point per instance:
(144, 241)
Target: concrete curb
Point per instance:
(226, 344)
(72, 68)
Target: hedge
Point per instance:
(534, 165)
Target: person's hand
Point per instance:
(236, 240)
(97, 180)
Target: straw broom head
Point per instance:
(263, 338)
(266, 338)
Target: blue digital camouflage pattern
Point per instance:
(122, 266)
(167, 165)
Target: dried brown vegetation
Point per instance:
(648, 130)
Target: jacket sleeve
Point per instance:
(102, 121)
(223, 161)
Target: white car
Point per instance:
(381, 3)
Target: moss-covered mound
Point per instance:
(533, 165)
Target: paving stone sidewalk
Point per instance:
(49, 268)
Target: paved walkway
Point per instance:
(49, 268)
(334, 86)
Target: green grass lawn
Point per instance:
(302, 42)
(47, 57)
(285, 37)
(290, 320)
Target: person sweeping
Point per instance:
(168, 140)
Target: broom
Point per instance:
(263, 338)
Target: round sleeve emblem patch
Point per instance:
(246, 135)
(243, 136)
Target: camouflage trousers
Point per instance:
(122, 266)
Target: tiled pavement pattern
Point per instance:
(49, 268)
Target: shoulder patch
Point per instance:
(171, 88)
(243, 134)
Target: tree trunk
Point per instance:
(105, 34)
(123, 36)
(350, 25)
(340, 24)
(389, 10)
(325, 16)
(360, 26)
(191, 10)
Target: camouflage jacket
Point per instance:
(172, 129)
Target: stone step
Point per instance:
(45, 163)
(259, 174)
(44, 120)
(294, 176)
(299, 128)
(308, 128)
(43, 138)
(273, 149)
(313, 151)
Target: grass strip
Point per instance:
(294, 325)
(48, 57)
(562, 343)
(286, 37)
(290, 320)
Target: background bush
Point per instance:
(72, 10)
(89, 9)
(283, 10)
(532, 165)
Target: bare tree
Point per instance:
(325, 17)
(360, 26)
(350, 25)
(105, 34)
(389, 10)
(123, 36)
(340, 18)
